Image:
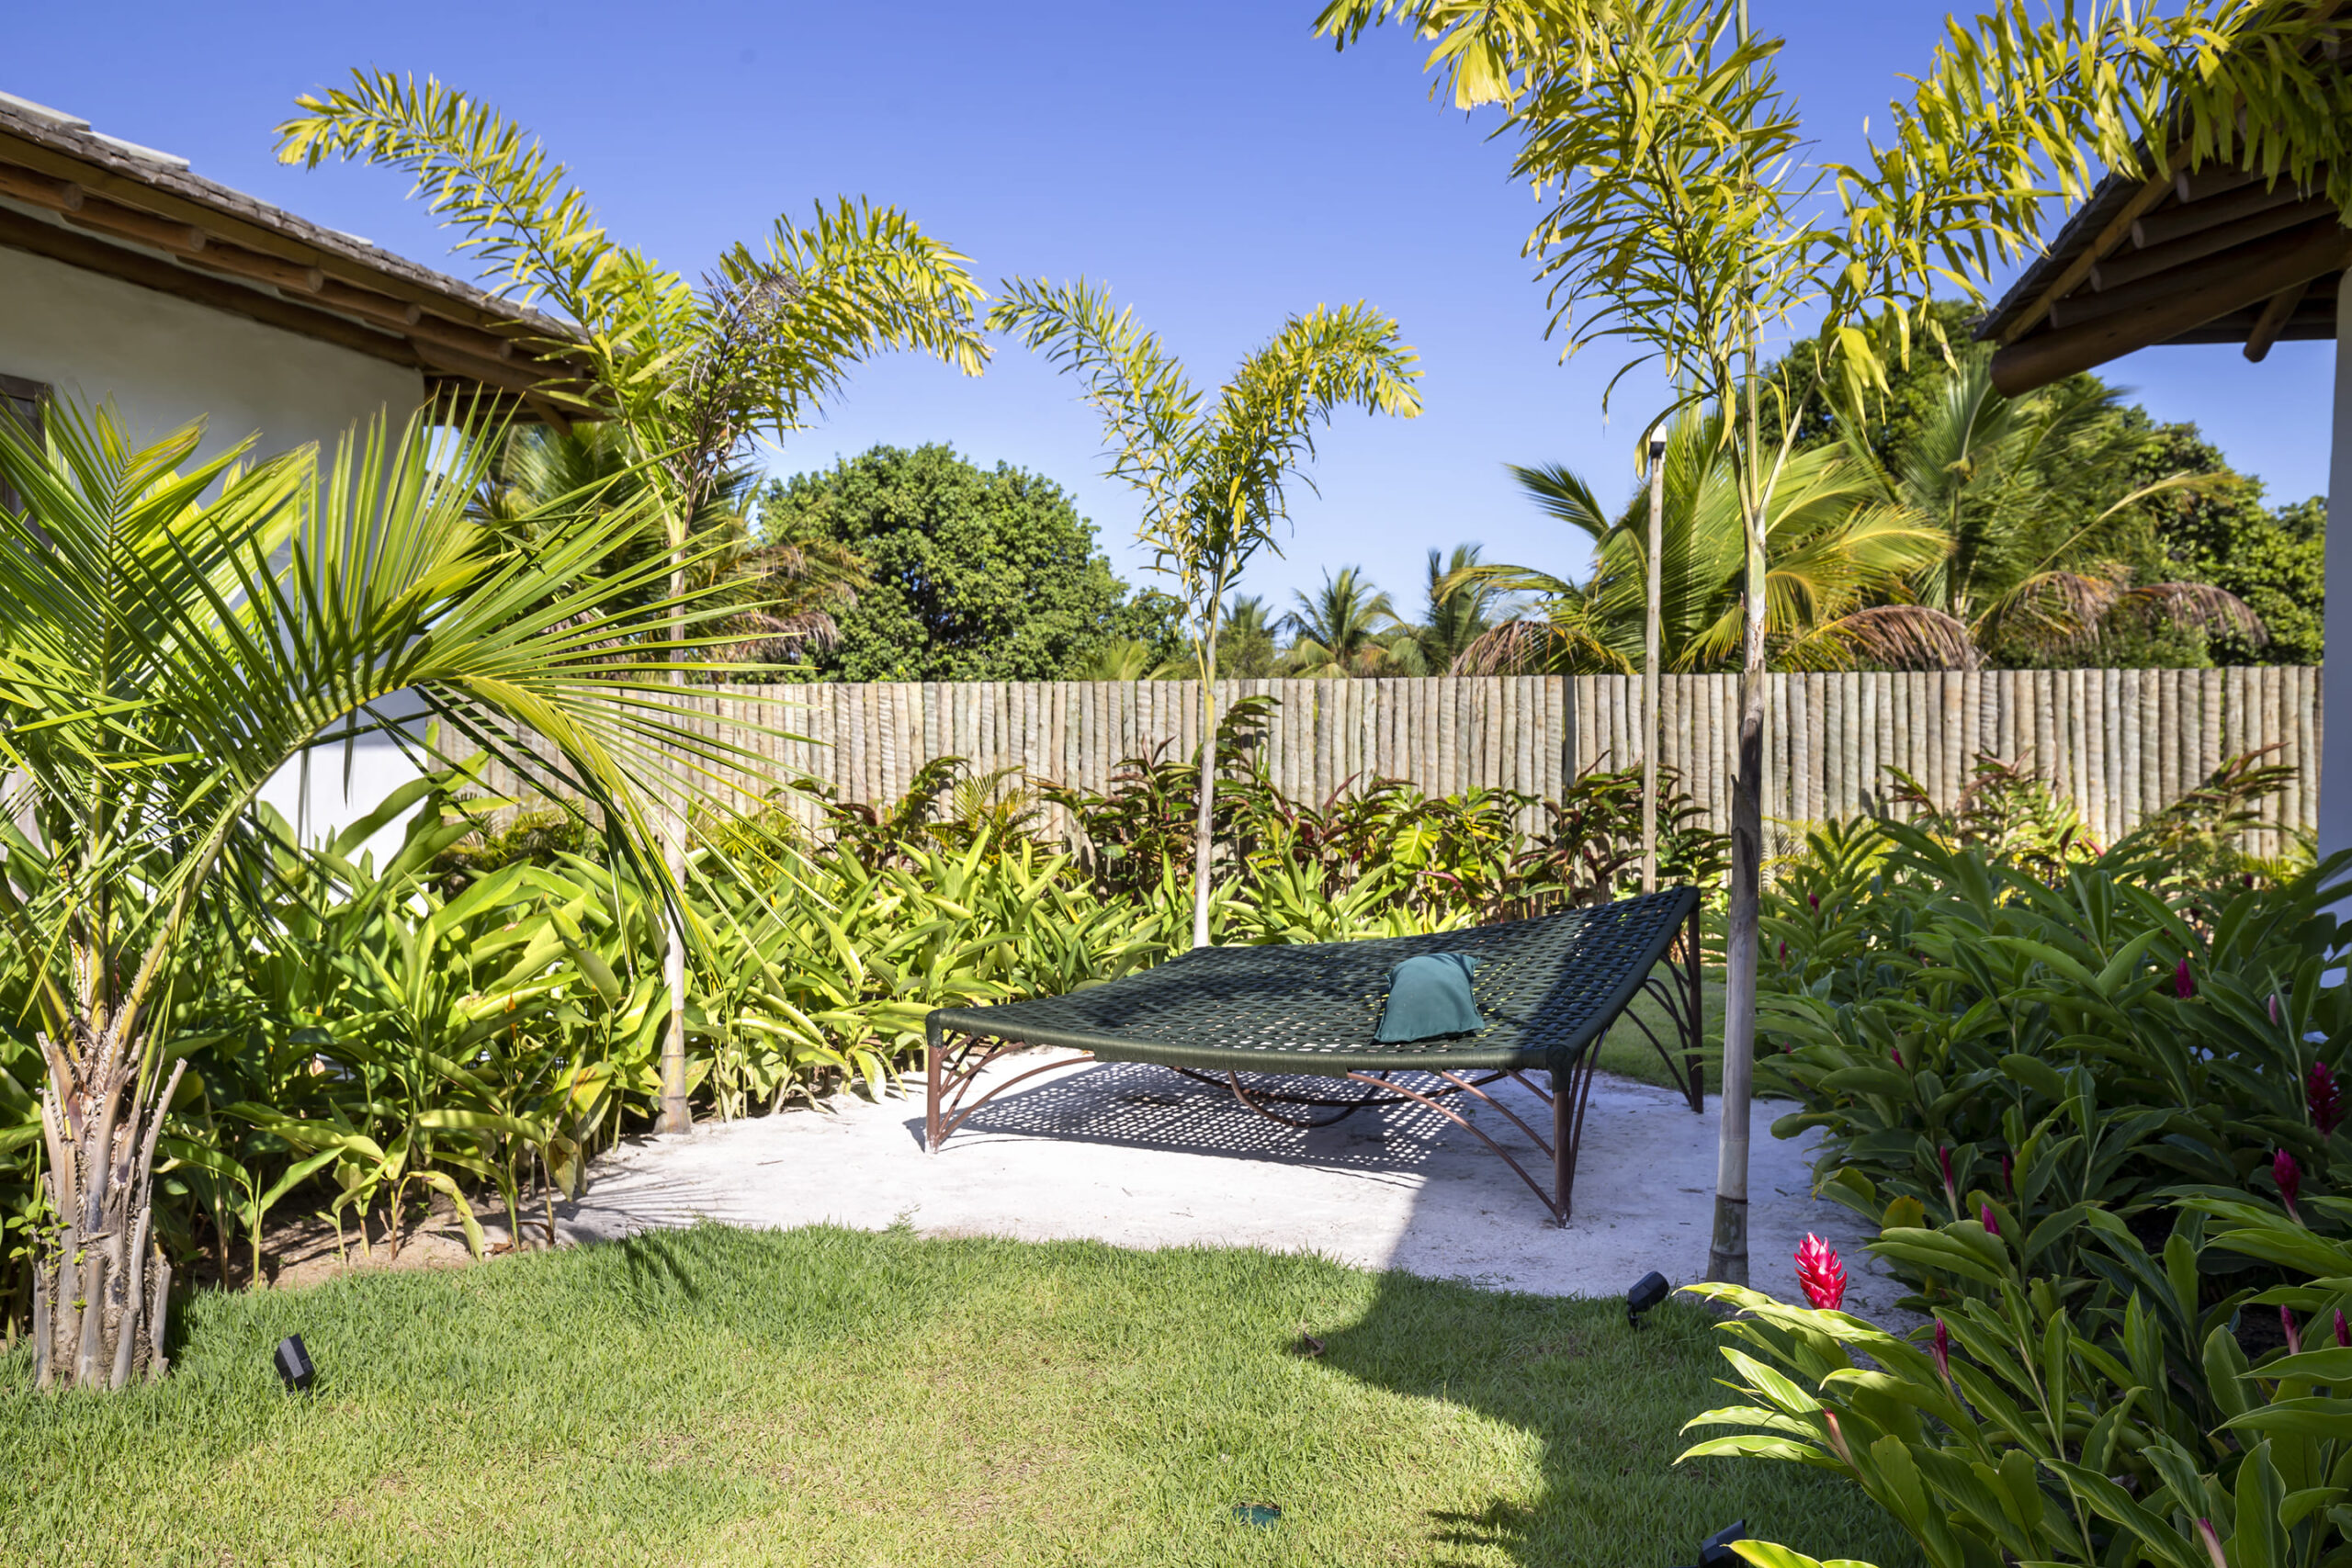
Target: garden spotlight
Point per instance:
(1646, 1293)
(294, 1364)
(1715, 1550)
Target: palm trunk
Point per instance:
(1727, 1254)
(676, 1115)
(98, 1313)
(1202, 846)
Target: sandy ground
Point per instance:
(1138, 1157)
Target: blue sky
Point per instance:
(1211, 161)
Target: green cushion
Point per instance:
(1428, 994)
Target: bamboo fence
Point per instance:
(2120, 743)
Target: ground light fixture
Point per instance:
(1646, 1292)
(1715, 1550)
(294, 1364)
(1262, 1516)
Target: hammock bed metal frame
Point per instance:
(1234, 1016)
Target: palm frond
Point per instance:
(1895, 636)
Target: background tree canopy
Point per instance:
(976, 574)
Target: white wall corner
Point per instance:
(2336, 675)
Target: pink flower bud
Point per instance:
(2212, 1543)
(2290, 1178)
(2273, 1010)
(1820, 1274)
(2294, 1335)
(1813, 899)
(1784, 950)
(1984, 1217)
(2343, 1331)
(1896, 1052)
(1942, 1350)
(2182, 986)
(2324, 1098)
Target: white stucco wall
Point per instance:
(163, 361)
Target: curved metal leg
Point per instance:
(1480, 1133)
(950, 1074)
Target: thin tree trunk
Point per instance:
(1727, 1254)
(1651, 611)
(676, 1115)
(1202, 847)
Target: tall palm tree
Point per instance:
(690, 374)
(1246, 647)
(1340, 629)
(164, 655)
(1212, 472)
(1463, 607)
(781, 597)
(1839, 552)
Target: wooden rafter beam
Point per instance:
(196, 246)
(2191, 296)
(2276, 314)
(2075, 272)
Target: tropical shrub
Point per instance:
(1977, 1010)
(2030, 1430)
(1448, 859)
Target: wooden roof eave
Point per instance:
(69, 197)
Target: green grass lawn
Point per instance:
(832, 1397)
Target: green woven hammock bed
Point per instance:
(1548, 989)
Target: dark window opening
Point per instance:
(20, 405)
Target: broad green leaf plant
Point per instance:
(1210, 473)
(180, 630)
(693, 373)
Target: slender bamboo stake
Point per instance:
(1654, 593)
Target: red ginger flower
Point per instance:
(1942, 1350)
(1896, 1052)
(1819, 1272)
(2290, 1178)
(2294, 1335)
(2182, 986)
(1984, 1217)
(2343, 1331)
(2324, 1098)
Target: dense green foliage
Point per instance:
(2095, 1101)
(827, 1397)
(1937, 522)
(468, 1021)
(2228, 535)
(972, 574)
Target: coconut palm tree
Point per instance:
(1246, 648)
(2043, 549)
(164, 655)
(1462, 608)
(1839, 555)
(1342, 629)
